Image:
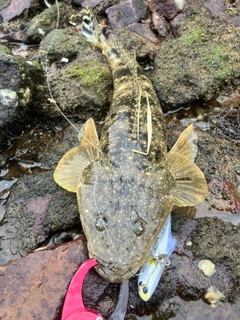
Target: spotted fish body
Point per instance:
(124, 183)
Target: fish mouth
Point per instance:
(115, 273)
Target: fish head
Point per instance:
(121, 215)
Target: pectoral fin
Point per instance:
(191, 186)
(186, 144)
(72, 164)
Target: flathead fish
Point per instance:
(126, 182)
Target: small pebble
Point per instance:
(213, 295)
(207, 267)
(65, 60)
(189, 244)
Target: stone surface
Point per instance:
(13, 8)
(37, 207)
(46, 21)
(126, 13)
(195, 64)
(34, 287)
(141, 29)
(20, 84)
(167, 8)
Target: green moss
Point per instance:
(4, 49)
(218, 62)
(61, 43)
(195, 36)
(197, 63)
(46, 20)
(90, 73)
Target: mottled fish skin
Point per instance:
(127, 183)
(126, 196)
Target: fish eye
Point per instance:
(86, 20)
(139, 227)
(100, 223)
(145, 290)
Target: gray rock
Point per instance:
(20, 86)
(126, 13)
(31, 215)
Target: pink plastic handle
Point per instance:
(74, 308)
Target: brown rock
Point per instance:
(159, 24)
(167, 8)
(14, 10)
(144, 29)
(34, 286)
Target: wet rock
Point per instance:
(38, 288)
(37, 208)
(137, 44)
(235, 21)
(19, 87)
(182, 281)
(175, 308)
(204, 210)
(126, 13)
(29, 222)
(220, 245)
(4, 4)
(46, 21)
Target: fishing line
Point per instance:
(48, 84)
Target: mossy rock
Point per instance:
(196, 64)
(91, 79)
(5, 49)
(61, 43)
(89, 74)
(43, 23)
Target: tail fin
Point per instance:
(90, 28)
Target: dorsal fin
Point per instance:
(73, 163)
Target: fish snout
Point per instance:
(115, 273)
